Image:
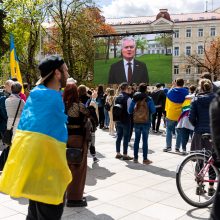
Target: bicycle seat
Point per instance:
(206, 136)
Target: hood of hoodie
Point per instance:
(139, 96)
(177, 95)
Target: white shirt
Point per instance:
(126, 67)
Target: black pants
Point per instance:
(3, 157)
(42, 211)
(158, 115)
(101, 117)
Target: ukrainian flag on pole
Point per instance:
(15, 70)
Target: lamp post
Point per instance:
(49, 5)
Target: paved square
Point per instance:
(117, 189)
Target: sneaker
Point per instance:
(135, 160)
(147, 162)
(77, 203)
(177, 150)
(126, 157)
(118, 156)
(167, 149)
(184, 153)
(95, 160)
(200, 190)
(211, 191)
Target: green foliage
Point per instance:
(159, 68)
(165, 40)
(141, 43)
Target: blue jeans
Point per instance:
(170, 129)
(123, 131)
(144, 130)
(184, 136)
(107, 120)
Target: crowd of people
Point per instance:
(74, 115)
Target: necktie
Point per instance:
(129, 73)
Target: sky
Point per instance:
(134, 8)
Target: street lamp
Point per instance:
(49, 5)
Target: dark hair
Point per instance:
(123, 86)
(70, 95)
(179, 82)
(142, 87)
(158, 85)
(82, 90)
(100, 90)
(162, 84)
(192, 88)
(16, 88)
(14, 79)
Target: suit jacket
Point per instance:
(117, 73)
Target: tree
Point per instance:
(165, 39)
(141, 43)
(77, 22)
(24, 19)
(210, 62)
(3, 45)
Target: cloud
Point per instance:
(133, 8)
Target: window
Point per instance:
(188, 32)
(176, 51)
(212, 31)
(176, 34)
(148, 51)
(188, 69)
(200, 32)
(162, 51)
(199, 69)
(188, 50)
(176, 69)
(200, 49)
(158, 51)
(169, 51)
(153, 52)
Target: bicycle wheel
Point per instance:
(192, 186)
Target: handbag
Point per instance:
(7, 136)
(74, 155)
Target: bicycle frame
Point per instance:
(204, 171)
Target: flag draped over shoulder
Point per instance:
(37, 168)
(15, 70)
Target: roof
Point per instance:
(188, 17)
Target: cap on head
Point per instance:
(48, 65)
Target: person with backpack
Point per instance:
(123, 121)
(142, 107)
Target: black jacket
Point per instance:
(215, 122)
(199, 112)
(117, 73)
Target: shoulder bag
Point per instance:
(7, 136)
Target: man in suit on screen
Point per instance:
(128, 69)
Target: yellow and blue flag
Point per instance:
(37, 167)
(14, 65)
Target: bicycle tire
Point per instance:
(193, 158)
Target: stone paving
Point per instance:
(116, 189)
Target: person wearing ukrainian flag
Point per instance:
(173, 108)
(37, 168)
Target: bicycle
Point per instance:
(196, 173)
